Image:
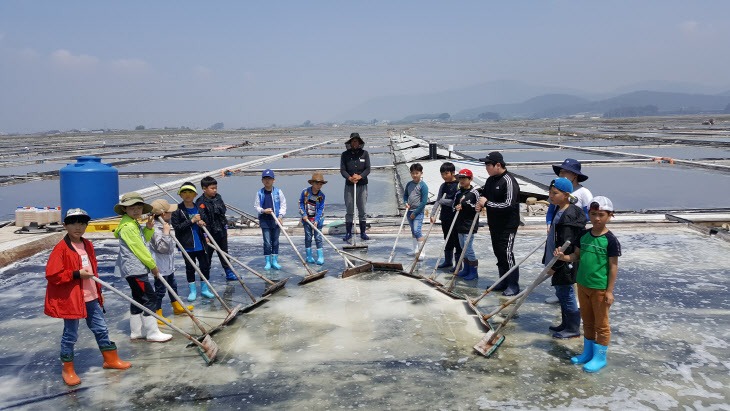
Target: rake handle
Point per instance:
(423, 245)
(402, 221)
(534, 284)
(443, 250)
(499, 280)
(147, 310)
(235, 260)
(293, 246)
(463, 250)
(347, 262)
(212, 244)
(195, 266)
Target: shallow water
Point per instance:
(382, 341)
(660, 186)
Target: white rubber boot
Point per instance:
(415, 248)
(135, 326)
(149, 325)
(422, 256)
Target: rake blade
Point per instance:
(255, 305)
(487, 348)
(474, 307)
(388, 266)
(410, 275)
(450, 293)
(208, 349)
(313, 277)
(432, 282)
(355, 247)
(274, 288)
(357, 270)
(232, 314)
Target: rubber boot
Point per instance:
(230, 275)
(587, 354)
(178, 309)
(448, 262)
(473, 274)
(69, 374)
(572, 326)
(275, 262)
(513, 287)
(159, 312)
(422, 256)
(464, 268)
(561, 327)
(348, 235)
(153, 333)
(363, 227)
(310, 259)
(414, 247)
(320, 256)
(135, 326)
(111, 360)
(193, 292)
(268, 262)
(599, 358)
(205, 291)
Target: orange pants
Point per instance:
(594, 313)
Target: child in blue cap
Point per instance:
(270, 203)
(568, 223)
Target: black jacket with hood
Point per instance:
(571, 224)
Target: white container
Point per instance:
(31, 216)
(19, 216)
(57, 215)
(42, 215)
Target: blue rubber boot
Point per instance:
(599, 358)
(587, 354)
(572, 326)
(363, 226)
(348, 235)
(310, 259)
(205, 291)
(230, 276)
(274, 262)
(320, 256)
(464, 269)
(268, 262)
(193, 292)
(473, 274)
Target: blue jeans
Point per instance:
(566, 295)
(308, 231)
(160, 289)
(470, 249)
(95, 322)
(271, 240)
(416, 224)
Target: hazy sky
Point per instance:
(73, 64)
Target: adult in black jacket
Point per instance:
(501, 196)
(355, 168)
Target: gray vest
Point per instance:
(127, 263)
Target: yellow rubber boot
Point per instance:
(178, 309)
(159, 312)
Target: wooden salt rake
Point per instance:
(492, 339)
(312, 276)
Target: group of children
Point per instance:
(591, 260)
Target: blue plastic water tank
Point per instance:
(90, 185)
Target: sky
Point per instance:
(82, 64)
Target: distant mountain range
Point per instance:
(513, 99)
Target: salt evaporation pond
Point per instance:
(644, 187)
(383, 341)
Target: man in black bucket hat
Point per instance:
(355, 167)
(501, 197)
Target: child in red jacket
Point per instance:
(71, 294)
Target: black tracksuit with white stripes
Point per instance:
(503, 216)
